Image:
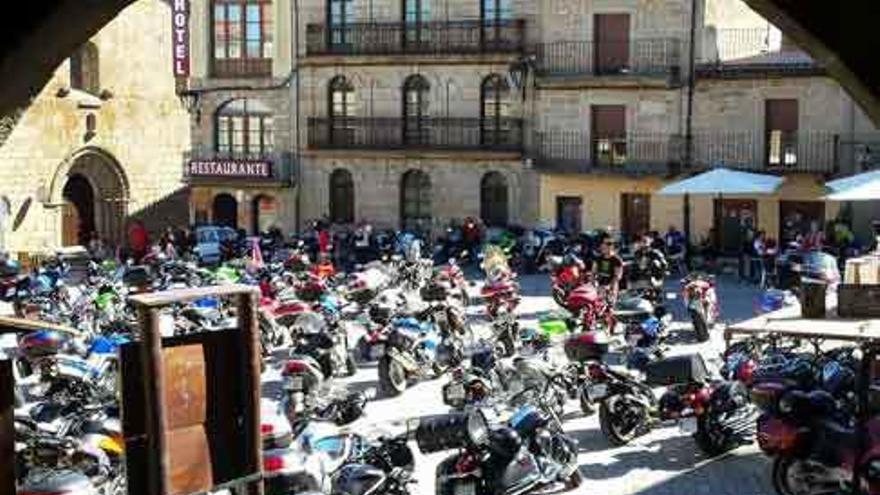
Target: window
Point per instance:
(611, 41)
(341, 197)
(495, 110)
(342, 108)
(416, 13)
(415, 201)
(415, 110)
(242, 32)
(340, 15)
(608, 125)
(493, 199)
(84, 69)
(494, 11)
(244, 129)
(781, 128)
(569, 212)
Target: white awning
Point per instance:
(724, 181)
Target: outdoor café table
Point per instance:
(788, 322)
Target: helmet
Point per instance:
(504, 442)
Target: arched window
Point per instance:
(493, 199)
(85, 69)
(342, 108)
(244, 129)
(415, 110)
(495, 110)
(415, 200)
(340, 16)
(341, 196)
(416, 13)
(242, 37)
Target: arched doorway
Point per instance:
(264, 213)
(95, 199)
(225, 211)
(415, 201)
(493, 199)
(78, 211)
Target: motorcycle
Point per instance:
(476, 384)
(410, 354)
(384, 466)
(701, 302)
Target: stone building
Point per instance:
(101, 143)
(573, 113)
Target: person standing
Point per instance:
(138, 240)
(608, 268)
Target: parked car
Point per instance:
(209, 243)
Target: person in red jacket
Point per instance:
(138, 239)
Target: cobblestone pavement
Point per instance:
(665, 462)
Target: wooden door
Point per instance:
(733, 217)
(611, 43)
(70, 224)
(635, 214)
(795, 218)
(569, 211)
(781, 130)
(608, 135)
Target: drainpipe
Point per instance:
(297, 155)
(688, 125)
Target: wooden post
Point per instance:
(250, 335)
(154, 383)
(7, 427)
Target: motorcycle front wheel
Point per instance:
(793, 476)
(392, 377)
(619, 419)
(709, 440)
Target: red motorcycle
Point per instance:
(452, 276)
(701, 301)
(565, 276)
(591, 306)
(502, 298)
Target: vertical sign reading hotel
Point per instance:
(180, 27)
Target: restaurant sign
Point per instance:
(234, 169)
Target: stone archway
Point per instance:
(94, 194)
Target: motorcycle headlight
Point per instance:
(786, 404)
(477, 427)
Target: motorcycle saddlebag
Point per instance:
(136, 276)
(678, 369)
(442, 432)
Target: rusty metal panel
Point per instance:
(185, 392)
(7, 427)
(189, 460)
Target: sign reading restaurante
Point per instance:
(229, 168)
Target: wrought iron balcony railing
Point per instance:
(776, 151)
(423, 38)
(234, 68)
(576, 152)
(429, 133)
(636, 57)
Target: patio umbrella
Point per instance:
(719, 181)
(724, 181)
(860, 187)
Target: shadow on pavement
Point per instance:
(734, 474)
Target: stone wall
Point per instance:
(455, 186)
(142, 126)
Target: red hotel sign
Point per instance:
(180, 28)
(234, 169)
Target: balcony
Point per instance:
(637, 58)
(207, 166)
(732, 53)
(781, 152)
(241, 68)
(471, 37)
(573, 152)
(429, 134)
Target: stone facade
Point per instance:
(127, 140)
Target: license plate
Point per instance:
(295, 383)
(467, 488)
(377, 351)
(455, 392)
(688, 425)
(597, 391)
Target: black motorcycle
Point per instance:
(384, 466)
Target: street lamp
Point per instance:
(190, 101)
(518, 72)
